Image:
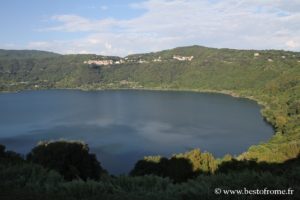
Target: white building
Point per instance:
(157, 59)
(142, 61)
(99, 62)
(183, 58)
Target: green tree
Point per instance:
(71, 159)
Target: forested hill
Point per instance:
(270, 76)
(208, 68)
(25, 54)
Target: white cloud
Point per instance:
(292, 44)
(246, 24)
(75, 23)
(108, 46)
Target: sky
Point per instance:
(111, 27)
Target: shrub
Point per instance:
(71, 159)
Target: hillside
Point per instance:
(220, 69)
(25, 54)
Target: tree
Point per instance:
(9, 156)
(201, 162)
(71, 159)
(179, 168)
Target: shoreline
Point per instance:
(225, 92)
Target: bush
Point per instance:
(71, 159)
(9, 156)
(179, 168)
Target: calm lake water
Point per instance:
(123, 126)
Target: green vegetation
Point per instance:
(71, 159)
(22, 179)
(270, 77)
(178, 168)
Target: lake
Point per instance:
(122, 126)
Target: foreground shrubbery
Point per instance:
(20, 179)
(28, 181)
(178, 168)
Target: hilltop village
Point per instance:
(140, 60)
(134, 60)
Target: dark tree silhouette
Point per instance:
(9, 156)
(177, 169)
(71, 159)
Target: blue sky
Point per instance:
(21, 19)
(113, 27)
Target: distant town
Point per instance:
(128, 60)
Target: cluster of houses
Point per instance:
(99, 62)
(103, 62)
(159, 59)
(269, 59)
(183, 58)
(126, 59)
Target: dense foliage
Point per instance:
(27, 181)
(270, 77)
(71, 159)
(178, 168)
